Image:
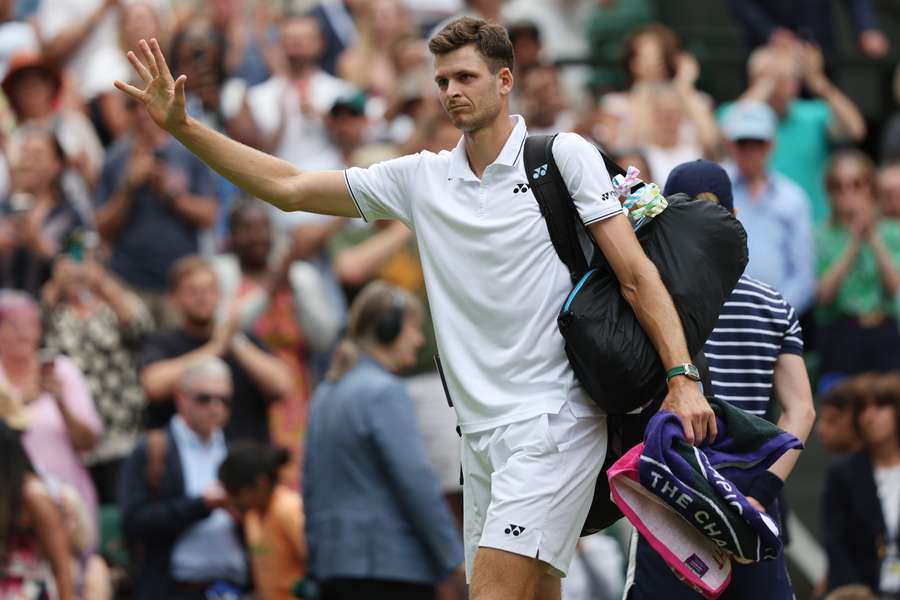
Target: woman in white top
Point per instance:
(656, 62)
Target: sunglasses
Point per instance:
(877, 401)
(204, 398)
(854, 184)
(746, 143)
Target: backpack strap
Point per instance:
(157, 447)
(556, 204)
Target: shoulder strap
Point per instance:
(157, 446)
(556, 205)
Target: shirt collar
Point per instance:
(185, 435)
(509, 154)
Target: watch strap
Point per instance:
(682, 369)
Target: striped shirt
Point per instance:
(756, 325)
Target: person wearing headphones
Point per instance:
(377, 525)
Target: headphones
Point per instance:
(388, 326)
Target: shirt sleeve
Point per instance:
(792, 343)
(584, 172)
(382, 191)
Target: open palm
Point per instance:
(162, 96)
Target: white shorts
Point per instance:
(528, 486)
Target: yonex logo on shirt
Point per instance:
(520, 187)
(514, 529)
(540, 171)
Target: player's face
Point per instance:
(469, 92)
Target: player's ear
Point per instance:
(505, 80)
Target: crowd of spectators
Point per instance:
(162, 335)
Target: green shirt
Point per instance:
(861, 292)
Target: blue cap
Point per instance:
(750, 120)
(701, 179)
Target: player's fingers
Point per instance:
(179, 88)
(148, 57)
(160, 59)
(688, 430)
(139, 67)
(699, 421)
(130, 90)
(713, 428)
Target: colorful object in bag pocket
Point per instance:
(641, 203)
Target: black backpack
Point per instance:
(700, 250)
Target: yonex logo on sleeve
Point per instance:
(520, 187)
(540, 171)
(514, 529)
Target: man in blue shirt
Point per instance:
(773, 209)
(171, 501)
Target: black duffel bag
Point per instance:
(700, 251)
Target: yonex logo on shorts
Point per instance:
(697, 565)
(514, 529)
(540, 171)
(520, 187)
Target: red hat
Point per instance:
(28, 60)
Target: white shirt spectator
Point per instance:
(494, 281)
(304, 141)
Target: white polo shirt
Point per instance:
(495, 283)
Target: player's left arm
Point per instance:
(643, 289)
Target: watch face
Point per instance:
(692, 371)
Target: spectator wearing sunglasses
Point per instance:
(773, 209)
(171, 500)
(859, 273)
(861, 507)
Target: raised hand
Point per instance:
(162, 96)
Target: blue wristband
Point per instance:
(765, 487)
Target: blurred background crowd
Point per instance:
(141, 289)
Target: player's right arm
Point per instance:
(263, 176)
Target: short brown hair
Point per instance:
(185, 266)
(490, 39)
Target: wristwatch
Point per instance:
(687, 369)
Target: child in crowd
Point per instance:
(272, 515)
(835, 423)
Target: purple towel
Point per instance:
(704, 484)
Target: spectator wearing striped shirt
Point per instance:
(755, 355)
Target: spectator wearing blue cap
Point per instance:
(755, 349)
(773, 209)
